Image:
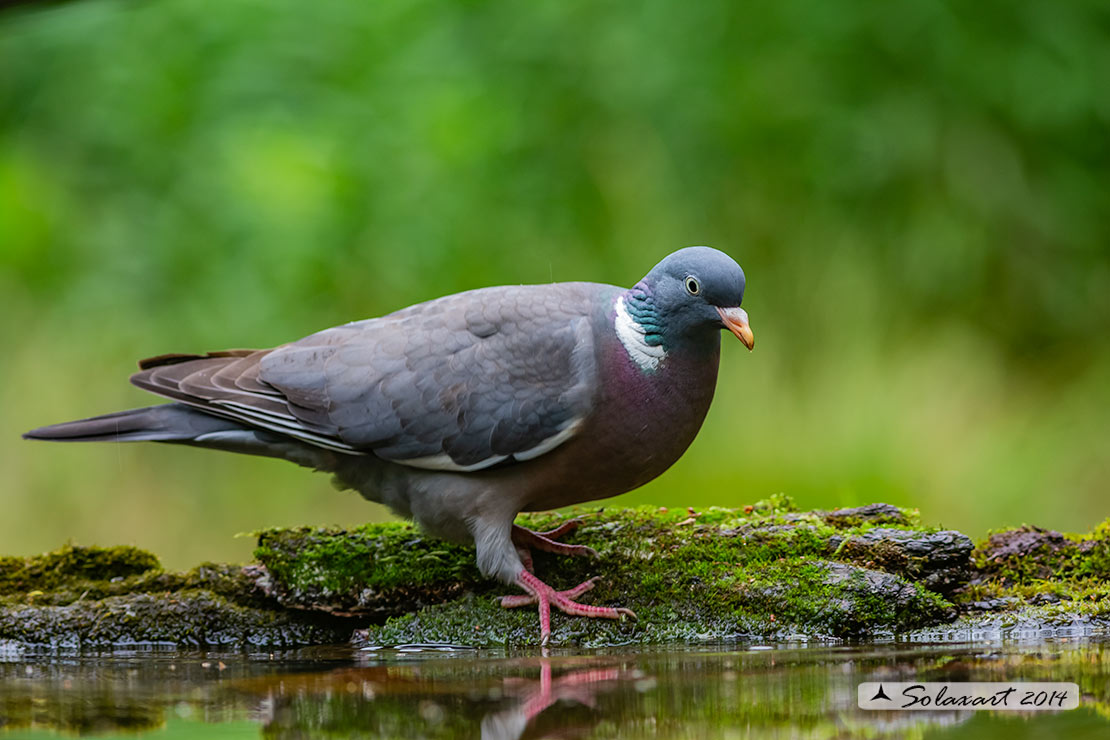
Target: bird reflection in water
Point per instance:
(439, 691)
(534, 697)
(443, 698)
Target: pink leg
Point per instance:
(525, 558)
(545, 541)
(543, 595)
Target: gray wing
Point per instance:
(460, 383)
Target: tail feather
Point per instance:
(169, 422)
(178, 423)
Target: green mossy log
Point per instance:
(82, 597)
(765, 571)
(1034, 582)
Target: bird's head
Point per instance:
(697, 289)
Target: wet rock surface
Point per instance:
(763, 571)
(855, 595)
(1035, 553)
(940, 561)
(194, 618)
(1030, 581)
(92, 597)
(868, 514)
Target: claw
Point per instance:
(543, 595)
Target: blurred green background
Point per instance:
(918, 192)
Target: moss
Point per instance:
(693, 576)
(72, 564)
(940, 560)
(874, 514)
(377, 568)
(765, 570)
(814, 598)
(379, 556)
(112, 597)
(1031, 554)
(222, 579)
(189, 618)
(1031, 575)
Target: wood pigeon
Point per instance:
(463, 411)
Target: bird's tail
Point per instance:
(169, 422)
(178, 423)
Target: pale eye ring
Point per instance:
(693, 287)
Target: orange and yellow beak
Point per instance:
(736, 321)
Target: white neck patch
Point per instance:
(631, 334)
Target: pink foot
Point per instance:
(527, 540)
(544, 595)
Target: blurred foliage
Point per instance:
(917, 191)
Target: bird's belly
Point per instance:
(430, 499)
(444, 504)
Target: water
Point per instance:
(750, 690)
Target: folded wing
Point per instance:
(460, 383)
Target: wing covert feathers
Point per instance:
(460, 383)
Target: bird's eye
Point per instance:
(692, 285)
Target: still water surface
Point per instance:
(749, 690)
